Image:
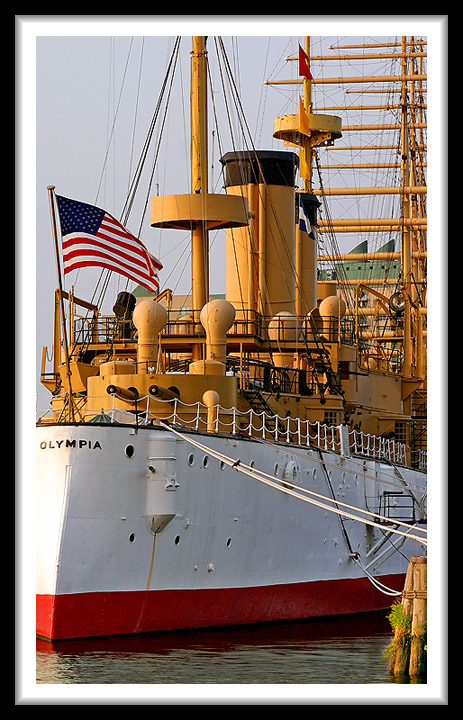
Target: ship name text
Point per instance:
(78, 444)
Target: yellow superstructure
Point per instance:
(279, 340)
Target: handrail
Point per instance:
(266, 426)
(248, 323)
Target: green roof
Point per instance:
(102, 419)
(364, 269)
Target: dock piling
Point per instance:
(407, 652)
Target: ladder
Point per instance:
(418, 440)
(319, 355)
(259, 404)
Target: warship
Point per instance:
(257, 455)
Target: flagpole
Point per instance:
(307, 86)
(306, 160)
(51, 189)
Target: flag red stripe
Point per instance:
(113, 226)
(81, 244)
(70, 257)
(113, 230)
(114, 233)
(155, 262)
(111, 245)
(137, 273)
(148, 282)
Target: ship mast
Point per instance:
(199, 170)
(306, 131)
(406, 230)
(199, 211)
(413, 365)
(409, 312)
(413, 220)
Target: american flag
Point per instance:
(91, 236)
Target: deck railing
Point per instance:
(247, 323)
(263, 425)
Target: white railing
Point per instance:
(250, 422)
(420, 459)
(378, 447)
(197, 416)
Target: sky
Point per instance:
(69, 74)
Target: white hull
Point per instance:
(129, 516)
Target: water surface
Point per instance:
(329, 651)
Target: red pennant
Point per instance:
(304, 64)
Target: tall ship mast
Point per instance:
(383, 290)
(261, 455)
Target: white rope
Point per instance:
(197, 421)
(264, 477)
(377, 583)
(338, 502)
(359, 464)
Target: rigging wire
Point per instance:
(263, 91)
(136, 110)
(286, 261)
(128, 205)
(143, 155)
(387, 479)
(103, 282)
(113, 126)
(114, 121)
(175, 58)
(385, 202)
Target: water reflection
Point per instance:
(347, 650)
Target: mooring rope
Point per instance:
(359, 462)
(274, 482)
(377, 583)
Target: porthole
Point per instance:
(222, 465)
(129, 451)
(205, 461)
(275, 469)
(252, 463)
(132, 537)
(228, 542)
(177, 539)
(191, 459)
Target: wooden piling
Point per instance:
(419, 619)
(407, 652)
(401, 658)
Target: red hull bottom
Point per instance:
(62, 617)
